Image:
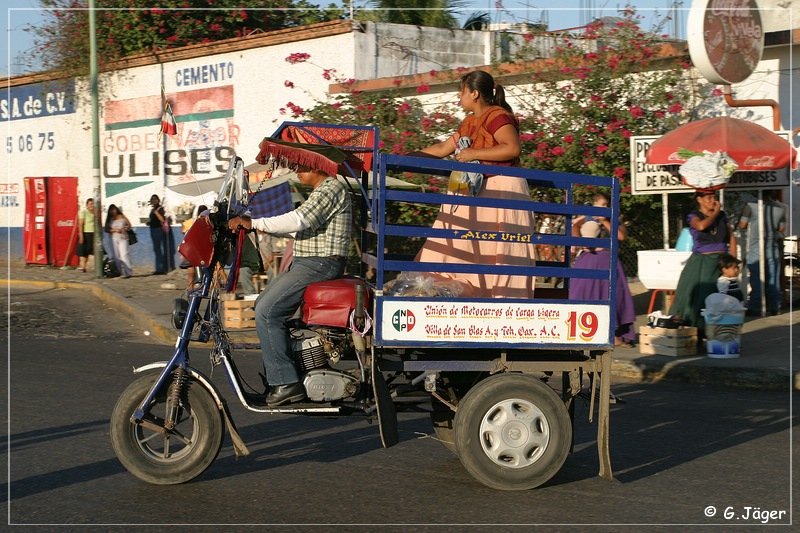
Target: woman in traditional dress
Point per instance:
(489, 135)
(712, 236)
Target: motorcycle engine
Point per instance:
(329, 385)
(309, 350)
(313, 350)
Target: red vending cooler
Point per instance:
(34, 234)
(51, 221)
(62, 220)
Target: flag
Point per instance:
(168, 124)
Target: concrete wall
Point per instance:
(384, 50)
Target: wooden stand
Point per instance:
(666, 341)
(238, 314)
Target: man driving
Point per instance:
(322, 229)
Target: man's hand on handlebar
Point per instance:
(240, 222)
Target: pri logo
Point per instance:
(403, 320)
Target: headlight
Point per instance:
(180, 309)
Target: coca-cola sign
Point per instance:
(726, 39)
(763, 161)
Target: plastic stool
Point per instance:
(667, 293)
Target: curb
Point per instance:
(737, 378)
(138, 314)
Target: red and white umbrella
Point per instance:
(752, 146)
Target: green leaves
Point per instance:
(131, 27)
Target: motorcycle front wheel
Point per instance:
(163, 456)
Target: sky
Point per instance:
(560, 14)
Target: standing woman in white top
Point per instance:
(119, 236)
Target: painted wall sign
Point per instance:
(38, 100)
(134, 154)
(726, 39)
(535, 323)
(201, 74)
(653, 179)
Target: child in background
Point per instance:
(728, 282)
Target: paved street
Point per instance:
(676, 449)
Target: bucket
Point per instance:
(723, 335)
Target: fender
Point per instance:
(239, 447)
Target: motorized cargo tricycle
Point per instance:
(481, 366)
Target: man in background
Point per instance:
(774, 228)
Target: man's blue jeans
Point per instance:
(159, 239)
(772, 278)
(278, 303)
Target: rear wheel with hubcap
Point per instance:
(512, 432)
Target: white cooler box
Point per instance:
(660, 269)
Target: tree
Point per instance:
(129, 27)
(582, 120)
(479, 20)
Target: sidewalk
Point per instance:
(767, 360)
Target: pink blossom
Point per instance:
(675, 108)
(326, 73)
(602, 148)
(424, 88)
(557, 151)
(397, 82)
(295, 109)
(336, 105)
(298, 57)
(288, 84)
(568, 139)
(433, 73)
(716, 92)
(636, 111)
(528, 37)
(620, 172)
